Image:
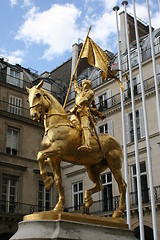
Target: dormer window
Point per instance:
(15, 77)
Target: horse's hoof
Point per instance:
(117, 214)
(48, 183)
(88, 202)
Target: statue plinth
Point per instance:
(72, 226)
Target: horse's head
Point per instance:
(37, 101)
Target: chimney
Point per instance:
(74, 56)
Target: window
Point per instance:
(124, 63)
(130, 127)
(136, 87)
(77, 195)
(15, 105)
(144, 184)
(158, 73)
(127, 91)
(12, 141)
(47, 86)
(104, 101)
(106, 128)
(134, 58)
(15, 77)
(106, 194)
(44, 198)
(9, 193)
(157, 45)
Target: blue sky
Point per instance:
(39, 34)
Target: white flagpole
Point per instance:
(135, 133)
(154, 68)
(116, 8)
(154, 219)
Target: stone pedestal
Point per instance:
(62, 226)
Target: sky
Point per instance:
(39, 34)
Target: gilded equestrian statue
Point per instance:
(61, 141)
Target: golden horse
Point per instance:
(60, 143)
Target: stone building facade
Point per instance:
(107, 96)
(21, 187)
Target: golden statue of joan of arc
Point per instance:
(85, 110)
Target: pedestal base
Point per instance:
(63, 226)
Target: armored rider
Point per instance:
(84, 109)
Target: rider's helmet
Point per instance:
(87, 82)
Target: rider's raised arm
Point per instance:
(76, 87)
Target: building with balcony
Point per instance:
(21, 187)
(108, 100)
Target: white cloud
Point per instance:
(13, 2)
(110, 4)
(103, 28)
(15, 57)
(55, 28)
(156, 20)
(25, 3)
(60, 26)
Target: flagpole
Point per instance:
(154, 220)
(154, 68)
(116, 8)
(135, 132)
(73, 75)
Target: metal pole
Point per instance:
(116, 8)
(154, 220)
(135, 133)
(154, 68)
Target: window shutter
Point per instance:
(125, 93)
(109, 101)
(110, 127)
(158, 73)
(142, 128)
(20, 106)
(97, 102)
(127, 128)
(138, 82)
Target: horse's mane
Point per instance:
(54, 101)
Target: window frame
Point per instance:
(10, 206)
(15, 105)
(11, 142)
(80, 195)
(44, 199)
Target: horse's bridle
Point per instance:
(39, 103)
(35, 105)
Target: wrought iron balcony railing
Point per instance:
(106, 206)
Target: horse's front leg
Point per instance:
(55, 166)
(53, 150)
